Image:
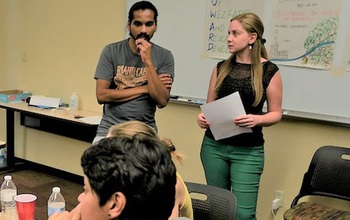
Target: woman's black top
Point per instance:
(239, 79)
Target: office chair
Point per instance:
(212, 203)
(328, 175)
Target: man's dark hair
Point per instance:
(142, 5)
(139, 167)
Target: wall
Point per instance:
(2, 42)
(63, 40)
(64, 60)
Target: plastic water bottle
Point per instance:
(56, 202)
(8, 190)
(74, 102)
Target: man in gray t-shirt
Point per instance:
(134, 76)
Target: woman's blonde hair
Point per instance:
(132, 128)
(252, 24)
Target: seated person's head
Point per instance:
(128, 178)
(131, 128)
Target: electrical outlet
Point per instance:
(279, 195)
(275, 204)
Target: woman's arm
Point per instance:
(211, 96)
(274, 101)
(179, 198)
(274, 107)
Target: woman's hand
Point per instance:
(65, 216)
(72, 215)
(202, 122)
(246, 121)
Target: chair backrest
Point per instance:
(212, 203)
(328, 174)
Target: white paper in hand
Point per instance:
(220, 115)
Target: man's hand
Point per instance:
(144, 48)
(166, 79)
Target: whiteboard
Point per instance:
(307, 93)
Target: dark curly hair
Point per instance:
(139, 167)
(142, 5)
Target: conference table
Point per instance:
(80, 124)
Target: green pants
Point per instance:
(237, 169)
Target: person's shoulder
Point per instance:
(115, 47)
(218, 65)
(220, 62)
(118, 43)
(159, 48)
(263, 60)
(270, 68)
(162, 53)
(180, 185)
(268, 62)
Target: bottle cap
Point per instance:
(56, 189)
(7, 177)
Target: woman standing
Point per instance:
(236, 163)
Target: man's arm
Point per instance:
(158, 86)
(104, 94)
(104, 72)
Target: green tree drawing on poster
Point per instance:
(319, 43)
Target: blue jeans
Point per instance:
(237, 169)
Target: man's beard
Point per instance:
(141, 35)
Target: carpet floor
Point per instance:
(40, 182)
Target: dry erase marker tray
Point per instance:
(187, 100)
